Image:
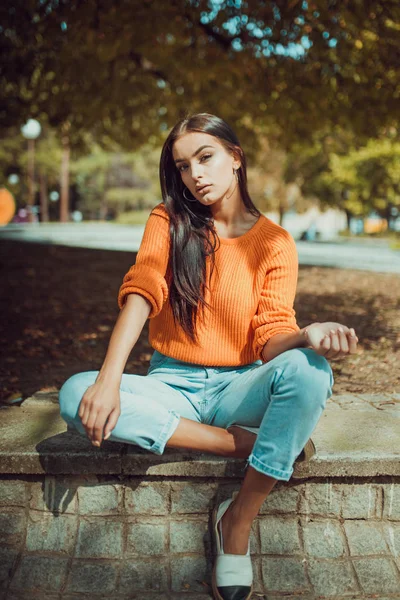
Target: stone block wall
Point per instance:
(124, 537)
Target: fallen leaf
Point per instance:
(13, 398)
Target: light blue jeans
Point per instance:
(284, 397)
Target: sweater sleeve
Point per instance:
(147, 276)
(275, 313)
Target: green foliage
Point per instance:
(14, 159)
(341, 173)
(318, 80)
(117, 180)
(11, 149)
(371, 174)
(127, 71)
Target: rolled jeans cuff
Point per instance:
(166, 432)
(266, 470)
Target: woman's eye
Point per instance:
(204, 156)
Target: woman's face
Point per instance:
(199, 166)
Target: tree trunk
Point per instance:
(103, 207)
(349, 216)
(281, 210)
(64, 180)
(388, 215)
(44, 198)
(31, 179)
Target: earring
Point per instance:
(188, 199)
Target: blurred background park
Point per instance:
(89, 91)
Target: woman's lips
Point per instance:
(204, 188)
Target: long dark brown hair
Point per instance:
(191, 223)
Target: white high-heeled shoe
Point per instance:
(232, 577)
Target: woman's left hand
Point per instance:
(332, 340)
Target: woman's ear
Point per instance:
(236, 160)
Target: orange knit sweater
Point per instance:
(252, 293)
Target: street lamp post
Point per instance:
(31, 130)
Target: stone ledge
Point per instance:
(83, 522)
(357, 435)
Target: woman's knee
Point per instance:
(72, 391)
(313, 375)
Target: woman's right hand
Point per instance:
(99, 410)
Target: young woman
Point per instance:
(232, 373)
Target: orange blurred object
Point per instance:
(375, 225)
(7, 206)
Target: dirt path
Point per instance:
(59, 305)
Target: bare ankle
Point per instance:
(236, 518)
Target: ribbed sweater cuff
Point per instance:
(144, 280)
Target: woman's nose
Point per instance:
(196, 173)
